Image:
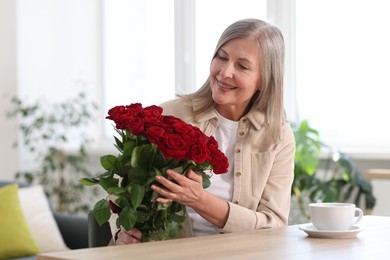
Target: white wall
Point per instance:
(46, 49)
(59, 53)
(8, 87)
(58, 44)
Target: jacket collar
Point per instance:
(255, 117)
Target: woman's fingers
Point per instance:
(167, 195)
(186, 190)
(171, 190)
(134, 233)
(194, 176)
(128, 237)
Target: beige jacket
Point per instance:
(263, 173)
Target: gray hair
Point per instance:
(271, 50)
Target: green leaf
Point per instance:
(122, 202)
(164, 206)
(178, 218)
(107, 183)
(118, 144)
(101, 211)
(173, 229)
(308, 147)
(142, 155)
(116, 190)
(159, 159)
(127, 218)
(89, 181)
(149, 182)
(138, 174)
(154, 196)
(109, 162)
(177, 207)
(141, 217)
(205, 181)
(179, 169)
(129, 147)
(137, 195)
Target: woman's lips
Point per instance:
(225, 85)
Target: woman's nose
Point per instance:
(227, 70)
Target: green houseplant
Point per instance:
(339, 179)
(45, 132)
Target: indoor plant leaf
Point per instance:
(137, 195)
(107, 183)
(127, 218)
(101, 211)
(109, 162)
(89, 181)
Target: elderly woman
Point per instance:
(241, 105)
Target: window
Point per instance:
(139, 46)
(342, 61)
(211, 18)
(338, 71)
(138, 53)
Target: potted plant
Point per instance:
(45, 132)
(339, 179)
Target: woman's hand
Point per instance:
(128, 237)
(187, 191)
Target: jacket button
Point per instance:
(235, 202)
(241, 133)
(238, 174)
(238, 150)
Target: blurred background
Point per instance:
(125, 51)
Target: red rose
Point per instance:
(218, 160)
(113, 112)
(199, 152)
(170, 120)
(168, 124)
(175, 138)
(134, 109)
(155, 134)
(195, 136)
(118, 115)
(135, 125)
(152, 116)
(182, 128)
(153, 110)
(173, 146)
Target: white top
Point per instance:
(221, 184)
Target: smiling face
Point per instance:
(235, 76)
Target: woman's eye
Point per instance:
(221, 57)
(243, 67)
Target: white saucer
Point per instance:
(313, 232)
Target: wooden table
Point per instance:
(372, 243)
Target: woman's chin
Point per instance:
(219, 100)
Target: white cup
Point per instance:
(334, 215)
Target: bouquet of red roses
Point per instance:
(149, 144)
